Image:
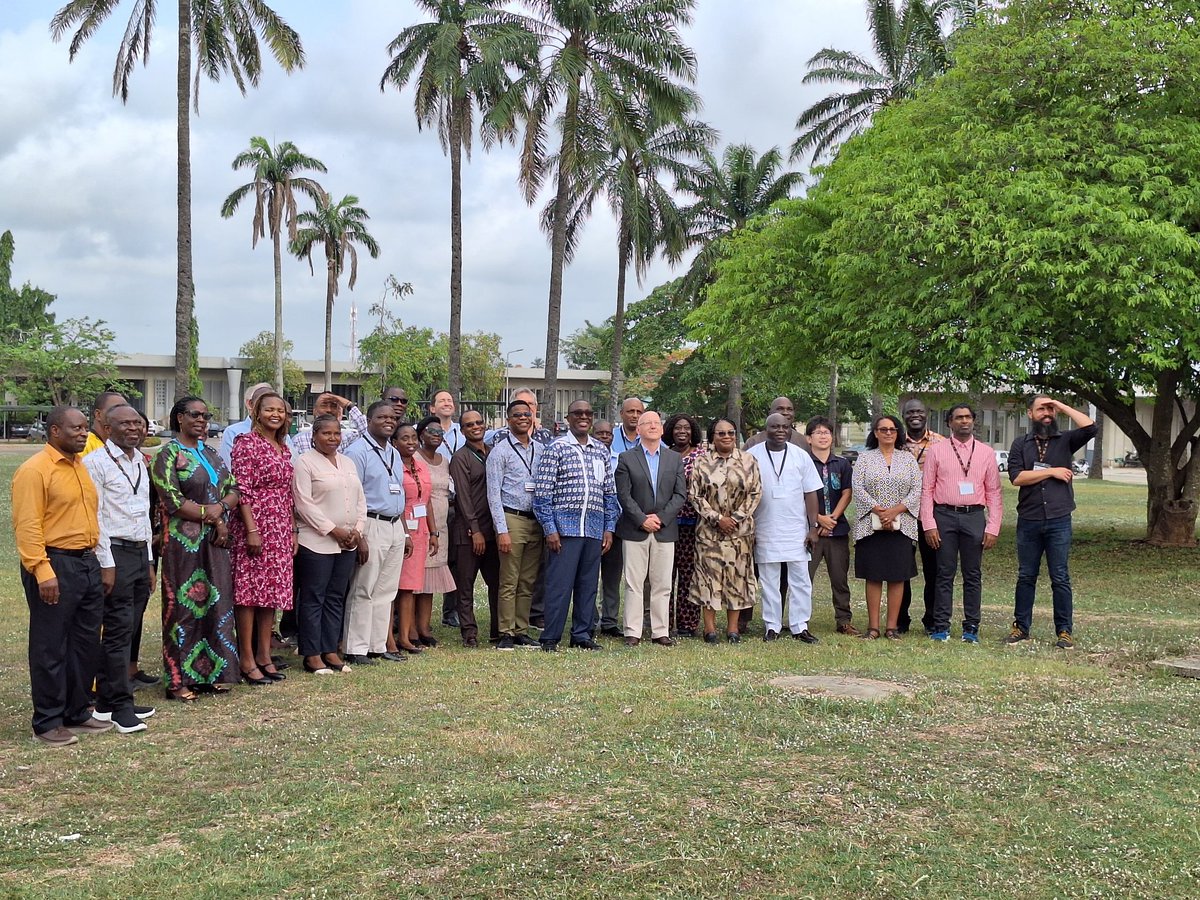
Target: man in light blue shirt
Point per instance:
(443, 406)
(369, 604)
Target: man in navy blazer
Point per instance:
(651, 491)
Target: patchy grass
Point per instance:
(656, 773)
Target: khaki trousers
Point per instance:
(369, 606)
(654, 559)
(518, 572)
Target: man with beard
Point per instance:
(917, 440)
(1040, 465)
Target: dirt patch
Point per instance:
(841, 686)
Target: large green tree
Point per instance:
(606, 56)
(23, 309)
(338, 228)
(226, 36)
(1028, 220)
(259, 353)
(462, 62)
(277, 180)
(61, 362)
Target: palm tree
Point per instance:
(728, 194)
(226, 35)
(276, 181)
(627, 173)
(608, 56)
(910, 46)
(462, 63)
(337, 227)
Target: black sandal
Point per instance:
(871, 634)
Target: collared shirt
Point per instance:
(943, 480)
(575, 494)
(781, 521)
(123, 489)
(836, 474)
(381, 472)
(511, 467)
(1051, 498)
(326, 496)
(620, 443)
(53, 505)
(93, 444)
(236, 430)
(652, 464)
(452, 441)
(920, 448)
(468, 469)
(542, 436)
(302, 442)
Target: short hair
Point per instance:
(249, 393)
(401, 426)
(957, 406)
(471, 410)
(107, 395)
(177, 410)
(435, 394)
(712, 426)
(57, 417)
(818, 422)
(378, 404)
(1034, 398)
(528, 392)
(325, 419)
(123, 406)
(669, 429)
(872, 442)
(426, 422)
(512, 403)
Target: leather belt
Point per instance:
(132, 545)
(523, 513)
(78, 554)
(958, 509)
(381, 517)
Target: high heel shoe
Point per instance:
(257, 682)
(430, 641)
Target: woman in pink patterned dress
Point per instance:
(422, 530)
(263, 540)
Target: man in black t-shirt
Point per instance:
(1039, 463)
(834, 546)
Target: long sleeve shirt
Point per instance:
(958, 474)
(54, 504)
(326, 496)
(574, 491)
(1049, 499)
(468, 469)
(511, 468)
(303, 440)
(123, 491)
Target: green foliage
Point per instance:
(589, 347)
(259, 353)
(62, 362)
(194, 386)
(24, 309)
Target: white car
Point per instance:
(155, 428)
(1002, 460)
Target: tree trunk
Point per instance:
(184, 288)
(330, 286)
(558, 255)
(455, 363)
(1171, 507)
(733, 404)
(1096, 472)
(833, 402)
(276, 223)
(616, 379)
(876, 403)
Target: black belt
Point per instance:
(132, 545)
(78, 554)
(958, 509)
(381, 517)
(523, 513)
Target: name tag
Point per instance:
(529, 487)
(778, 492)
(1041, 465)
(966, 489)
(418, 511)
(394, 488)
(412, 524)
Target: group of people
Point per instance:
(350, 535)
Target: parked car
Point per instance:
(17, 431)
(851, 453)
(1002, 460)
(215, 428)
(37, 432)
(155, 428)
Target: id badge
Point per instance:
(1041, 465)
(394, 488)
(412, 524)
(599, 469)
(966, 489)
(418, 511)
(778, 492)
(529, 487)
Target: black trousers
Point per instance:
(322, 582)
(537, 602)
(612, 576)
(961, 536)
(468, 566)
(130, 592)
(139, 615)
(929, 568)
(64, 641)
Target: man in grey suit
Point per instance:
(651, 491)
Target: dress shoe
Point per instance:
(632, 641)
(549, 646)
(771, 636)
(807, 637)
(90, 725)
(849, 629)
(56, 737)
(710, 637)
(393, 657)
(470, 643)
(257, 682)
(664, 641)
(506, 643)
(450, 620)
(357, 659)
(734, 637)
(612, 631)
(588, 644)
(525, 641)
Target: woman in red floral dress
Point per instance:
(263, 540)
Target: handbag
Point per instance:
(877, 523)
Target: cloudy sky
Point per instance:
(87, 185)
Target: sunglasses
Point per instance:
(582, 413)
(724, 433)
(885, 430)
(396, 399)
(197, 414)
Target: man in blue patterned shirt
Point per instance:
(575, 501)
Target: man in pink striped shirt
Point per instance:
(961, 511)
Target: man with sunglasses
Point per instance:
(398, 397)
(575, 501)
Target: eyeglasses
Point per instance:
(197, 414)
(582, 413)
(396, 399)
(885, 430)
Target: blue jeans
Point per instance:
(574, 570)
(1035, 538)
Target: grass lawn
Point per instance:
(647, 772)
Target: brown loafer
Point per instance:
(664, 642)
(56, 737)
(632, 641)
(91, 725)
(849, 629)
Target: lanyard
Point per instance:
(391, 456)
(528, 463)
(135, 485)
(966, 470)
(782, 463)
(412, 471)
(923, 443)
(626, 443)
(1042, 447)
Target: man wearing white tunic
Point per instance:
(785, 526)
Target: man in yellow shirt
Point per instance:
(99, 433)
(54, 508)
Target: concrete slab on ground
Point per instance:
(841, 686)
(1187, 666)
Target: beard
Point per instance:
(1046, 429)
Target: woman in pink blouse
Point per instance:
(413, 605)
(331, 513)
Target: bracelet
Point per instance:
(251, 531)
(203, 512)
